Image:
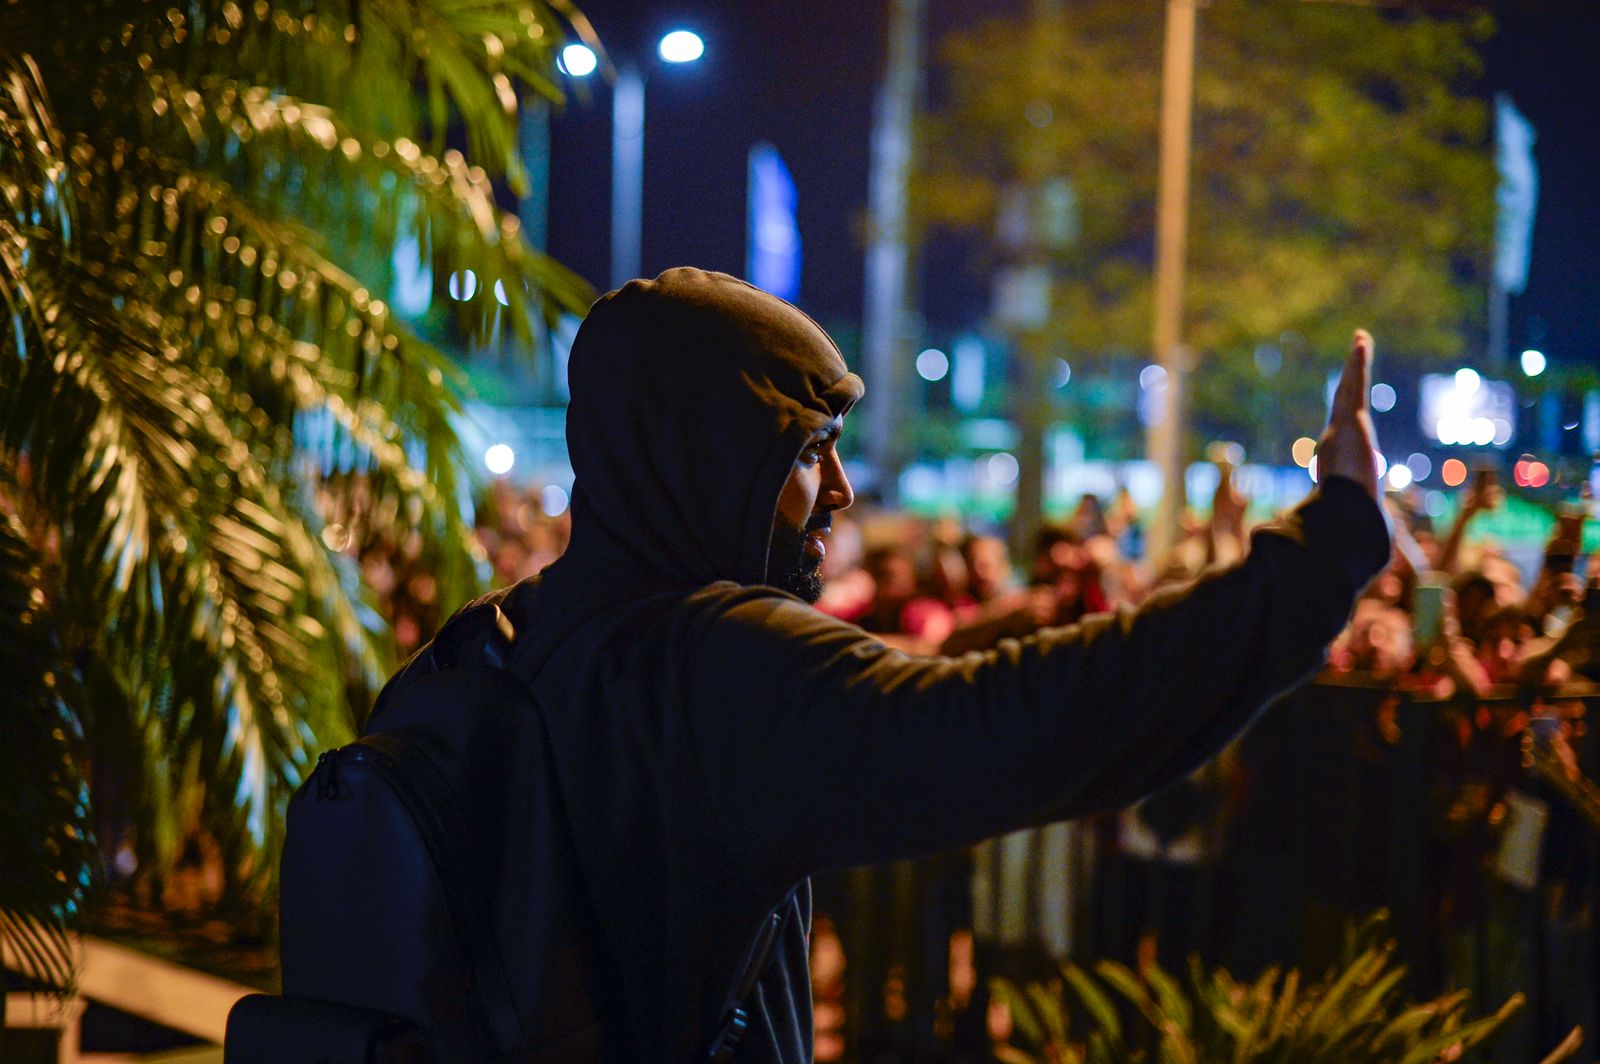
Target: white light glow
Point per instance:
(1382, 398)
(1063, 373)
(1153, 378)
(1467, 380)
(1381, 462)
(463, 285)
(499, 459)
(1482, 431)
(1533, 362)
(500, 294)
(932, 365)
(1420, 465)
(682, 46)
(579, 60)
(553, 500)
(1003, 468)
(1399, 477)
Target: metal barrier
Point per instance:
(1347, 796)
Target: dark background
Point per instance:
(803, 74)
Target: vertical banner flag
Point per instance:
(772, 261)
(1517, 196)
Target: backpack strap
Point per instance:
(736, 1016)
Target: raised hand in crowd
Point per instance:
(1349, 444)
(1484, 495)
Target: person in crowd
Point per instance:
(720, 739)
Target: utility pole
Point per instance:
(1166, 432)
(885, 326)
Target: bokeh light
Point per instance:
(1453, 472)
(579, 60)
(682, 46)
(932, 365)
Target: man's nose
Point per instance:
(836, 492)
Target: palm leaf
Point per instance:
(44, 822)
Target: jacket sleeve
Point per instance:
(823, 748)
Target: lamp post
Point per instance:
(627, 140)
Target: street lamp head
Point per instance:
(578, 60)
(682, 46)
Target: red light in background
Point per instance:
(1453, 472)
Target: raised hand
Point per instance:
(1349, 443)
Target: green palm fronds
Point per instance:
(202, 201)
(1355, 1014)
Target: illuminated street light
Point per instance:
(1533, 362)
(681, 46)
(627, 140)
(579, 60)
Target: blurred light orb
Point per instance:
(1420, 465)
(1063, 373)
(500, 293)
(1038, 113)
(1533, 362)
(1303, 450)
(682, 46)
(1433, 504)
(499, 459)
(1382, 398)
(1381, 463)
(932, 365)
(1269, 359)
(1502, 432)
(1483, 431)
(1538, 475)
(579, 60)
(1311, 468)
(553, 500)
(1399, 476)
(463, 285)
(1153, 378)
(1453, 472)
(1003, 468)
(1467, 380)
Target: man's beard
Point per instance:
(789, 567)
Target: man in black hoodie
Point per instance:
(717, 740)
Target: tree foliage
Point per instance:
(201, 201)
(1340, 177)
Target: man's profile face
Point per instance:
(817, 486)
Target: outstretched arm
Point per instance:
(823, 748)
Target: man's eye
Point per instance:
(812, 455)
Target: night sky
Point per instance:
(803, 75)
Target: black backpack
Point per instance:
(431, 905)
(429, 881)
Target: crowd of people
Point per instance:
(1454, 619)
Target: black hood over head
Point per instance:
(692, 395)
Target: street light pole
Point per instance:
(1166, 431)
(627, 173)
(627, 141)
